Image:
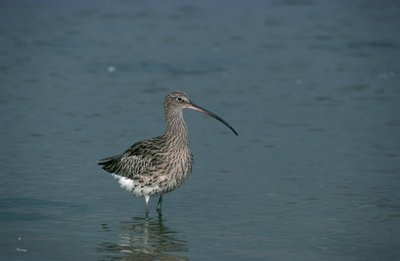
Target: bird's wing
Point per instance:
(142, 158)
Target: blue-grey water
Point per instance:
(311, 86)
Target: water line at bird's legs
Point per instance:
(159, 204)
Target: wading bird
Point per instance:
(159, 165)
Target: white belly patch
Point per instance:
(125, 183)
(132, 186)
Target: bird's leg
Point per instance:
(146, 199)
(159, 204)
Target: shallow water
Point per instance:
(312, 87)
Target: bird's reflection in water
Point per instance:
(144, 239)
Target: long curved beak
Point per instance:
(195, 107)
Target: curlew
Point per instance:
(158, 165)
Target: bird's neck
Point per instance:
(176, 130)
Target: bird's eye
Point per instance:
(179, 99)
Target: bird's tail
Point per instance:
(107, 162)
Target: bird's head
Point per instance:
(176, 101)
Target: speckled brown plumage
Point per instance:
(159, 165)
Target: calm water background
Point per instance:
(312, 87)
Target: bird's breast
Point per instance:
(180, 162)
(178, 165)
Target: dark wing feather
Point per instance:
(142, 158)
